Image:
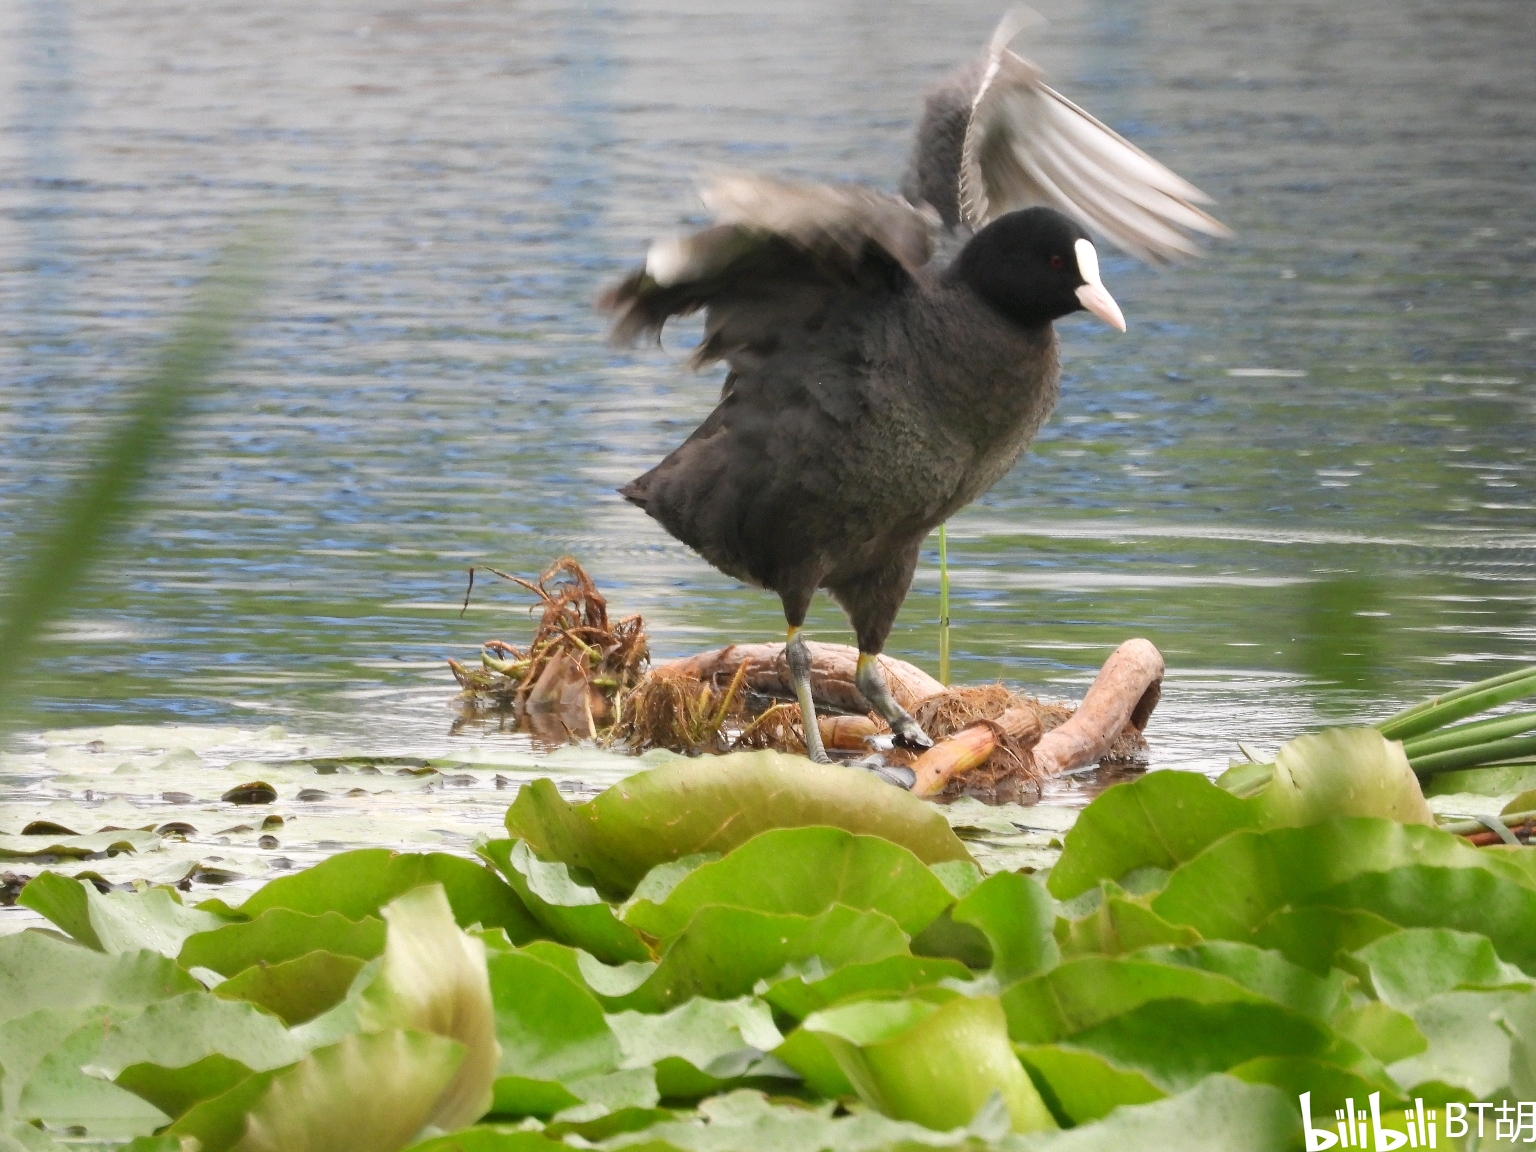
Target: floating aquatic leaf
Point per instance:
(812, 988)
(433, 979)
(1017, 916)
(1160, 820)
(1177, 1043)
(491, 1139)
(714, 804)
(27, 1038)
(174, 1090)
(280, 934)
(934, 1064)
(1119, 925)
(38, 970)
(1468, 1045)
(1236, 884)
(60, 1095)
(1519, 1020)
(178, 1032)
(802, 870)
(700, 1044)
(1413, 964)
(572, 912)
(218, 1123)
(117, 921)
(1341, 772)
(294, 990)
(1314, 937)
(1259, 970)
(1385, 1033)
(1329, 1084)
(1082, 993)
(725, 951)
(369, 1093)
(1082, 1086)
(358, 884)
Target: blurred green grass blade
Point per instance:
(1469, 735)
(1492, 752)
(102, 500)
(1458, 705)
(943, 605)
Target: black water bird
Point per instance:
(890, 357)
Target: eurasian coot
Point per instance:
(890, 357)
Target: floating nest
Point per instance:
(583, 677)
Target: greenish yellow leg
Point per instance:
(871, 682)
(799, 657)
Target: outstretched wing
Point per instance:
(776, 256)
(997, 138)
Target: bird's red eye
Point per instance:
(1058, 263)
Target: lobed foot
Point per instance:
(799, 657)
(871, 682)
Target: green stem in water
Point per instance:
(943, 607)
(1458, 705)
(1480, 754)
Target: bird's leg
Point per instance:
(799, 657)
(871, 682)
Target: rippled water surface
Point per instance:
(1305, 473)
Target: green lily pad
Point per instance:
(1519, 1021)
(1160, 820)
(37, 969)
(1469, 899)
(26, 1039)
(1413, 964)
(1385, 1033)
(807, 1053)
(1314, 937)
(700, 1045)
(1259, 970)
(294, 990)
(1082, 1086)
(358, 884)
(280, 934)
(714, 804)
(175, 1090)
(1237, 883)
(811, 988)
(1082, 993)
(116, 921)
(934, 1064)
(1468, 1046)
(801, 870)
(369, 1093)
(725, 951)
(59, 1094)
(1329, 1084)
(1017, 916)
(1219, 1114)
(1508, 780)
(568, 910)
(179, 1032)
(1178, 1042)
(1341, 772)
(490, 1139)
(1119, 925)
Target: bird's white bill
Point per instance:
(1092, 294)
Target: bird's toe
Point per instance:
(912, 738)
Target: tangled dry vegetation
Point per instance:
(584, 677)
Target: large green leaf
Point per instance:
(1259, 970)
(1082, 1086)
(37, 969)
(369, 1093)
(1414, 964)
(358, 884)
(1468, 899)
(1220, 1114)
(1118, 925)
(175, 1033)
(1341, 772)
(294, 990)
(433, 979)
(1232, 887)
(1017, 916)
(1468, 1048)
(76, 847)
(1330, 1085)
(714, 804)
(934, 1064)
(280, 934)
(1160, 820)
(1177, 1043)
(802, 870)
(811, 987)
(175, 1090)
(1519, 1020)
(1314, 937)
(116, 921)
(570, 911)
(1081, 993)
(491, 1139)
(725, 951)
(218, 1123)
(700, 1044)
(59, 1094)
(552, 1032)
(25, 1041)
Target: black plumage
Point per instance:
(890, 358)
